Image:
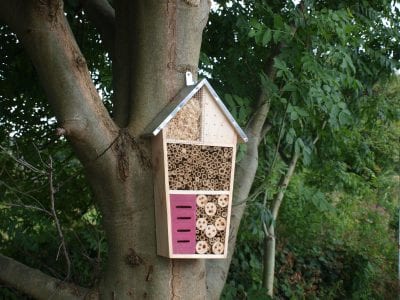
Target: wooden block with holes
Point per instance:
(194, 146)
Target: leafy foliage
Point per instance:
(318, 64)
(338, 225)
(314, 60)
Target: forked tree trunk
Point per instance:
(156, 42)
(269, 238)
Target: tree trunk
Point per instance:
(269, 261)
(269, 238)
(155, 44)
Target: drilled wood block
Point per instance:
(210, 224)
(199, 167)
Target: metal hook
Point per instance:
(189, 78)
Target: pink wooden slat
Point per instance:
(183, 218)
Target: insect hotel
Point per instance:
(194, 145)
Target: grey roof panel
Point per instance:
(179, 101)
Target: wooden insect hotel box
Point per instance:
(194, 145)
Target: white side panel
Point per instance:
(216, 127)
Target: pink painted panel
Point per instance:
(183, 218)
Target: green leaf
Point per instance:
(278, 22)
(294, 116)
(268, 85)
(290, 135)
(289, 87)
(301, 112)
(306, 155)
(203, 58)
(254, 23)
(240, 101)
(242, 115)
(231, 105)
(242, 148)
(344, 118)
(279, 64)
(252, 32)
(282, 100)
(266, 37)
(277, 36)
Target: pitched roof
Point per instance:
(180, 100)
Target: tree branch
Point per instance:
(269, 231)
(122, 61)
(285, 179)
(256, 124)
(45, 34)
(283, 156)
(33, 207)
(35, 283)
(102, 16)
(269, 238)
(265, 130)
(22, 162)
(54, 214)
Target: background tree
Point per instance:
(337, 230)
(306, 66)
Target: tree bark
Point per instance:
(269, 261)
